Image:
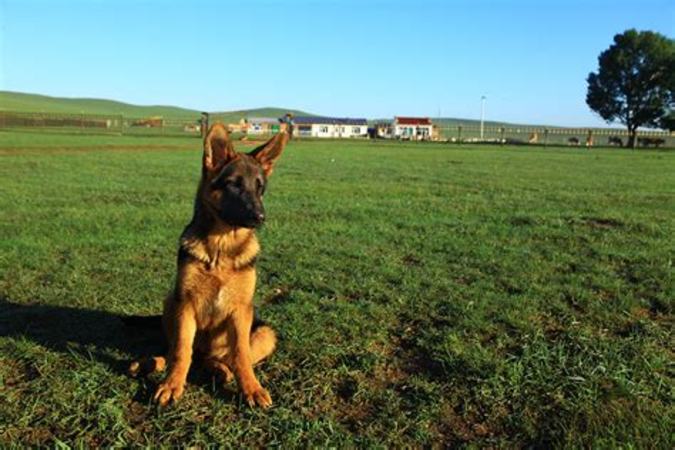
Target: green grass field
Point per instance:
(424, 294)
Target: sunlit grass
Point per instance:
(423, 294)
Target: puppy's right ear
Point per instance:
(218, 149)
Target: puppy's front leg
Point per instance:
(180, 355)
(241, 322)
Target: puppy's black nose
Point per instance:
(260, 217)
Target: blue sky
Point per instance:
(347, 58)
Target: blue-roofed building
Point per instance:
(329, 127)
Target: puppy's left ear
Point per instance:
(218, 149)
(268, 153)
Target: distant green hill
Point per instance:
(233, 116)
(16, 101)
(21, 102)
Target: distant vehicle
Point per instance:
(651, 141)
(615, 140)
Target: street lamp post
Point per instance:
(482, 115)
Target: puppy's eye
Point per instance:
(260, 186)
(220, 183)
(233, 187)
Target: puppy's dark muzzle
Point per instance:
(259, 219)
(254, 221)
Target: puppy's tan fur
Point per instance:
(210, 310)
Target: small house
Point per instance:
(262, 125)
(329, 127)
(384, 130)
(412, 128)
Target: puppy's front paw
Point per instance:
(259, 397)
(169, 390)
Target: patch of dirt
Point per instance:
(411, 260)
(413, 358)
(551, 327)
(454, 428)
(571, 300)
(137, 415)
(597, 222)
(631, 328)
(641, 313)
(355, 416)
(522, 221)
(657, 306)
(27, 436)
(347, 388)
(17, 373)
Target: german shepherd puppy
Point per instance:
(210, 309)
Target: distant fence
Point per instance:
(97, 123)
(189, 126)
(553, 136)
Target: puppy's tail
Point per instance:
(263, 341)
(142, 321)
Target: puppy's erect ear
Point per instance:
(218, 149)
(268, 153)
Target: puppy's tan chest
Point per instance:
(228, 295)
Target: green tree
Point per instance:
(635, 81)
(667, 122)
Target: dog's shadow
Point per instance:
(103, 336)
(98, 334)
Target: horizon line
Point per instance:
(297, 109)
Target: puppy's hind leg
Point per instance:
(263, 343)
(146, 326)
(220, 368)
(146, 366)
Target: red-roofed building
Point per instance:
(412, 120)
(413, 128)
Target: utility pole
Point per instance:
(482, 115)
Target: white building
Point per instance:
(329, 127)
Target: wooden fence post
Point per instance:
(459, 134)
(589, 138)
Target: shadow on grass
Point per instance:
(105, 337)
(100, 335)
